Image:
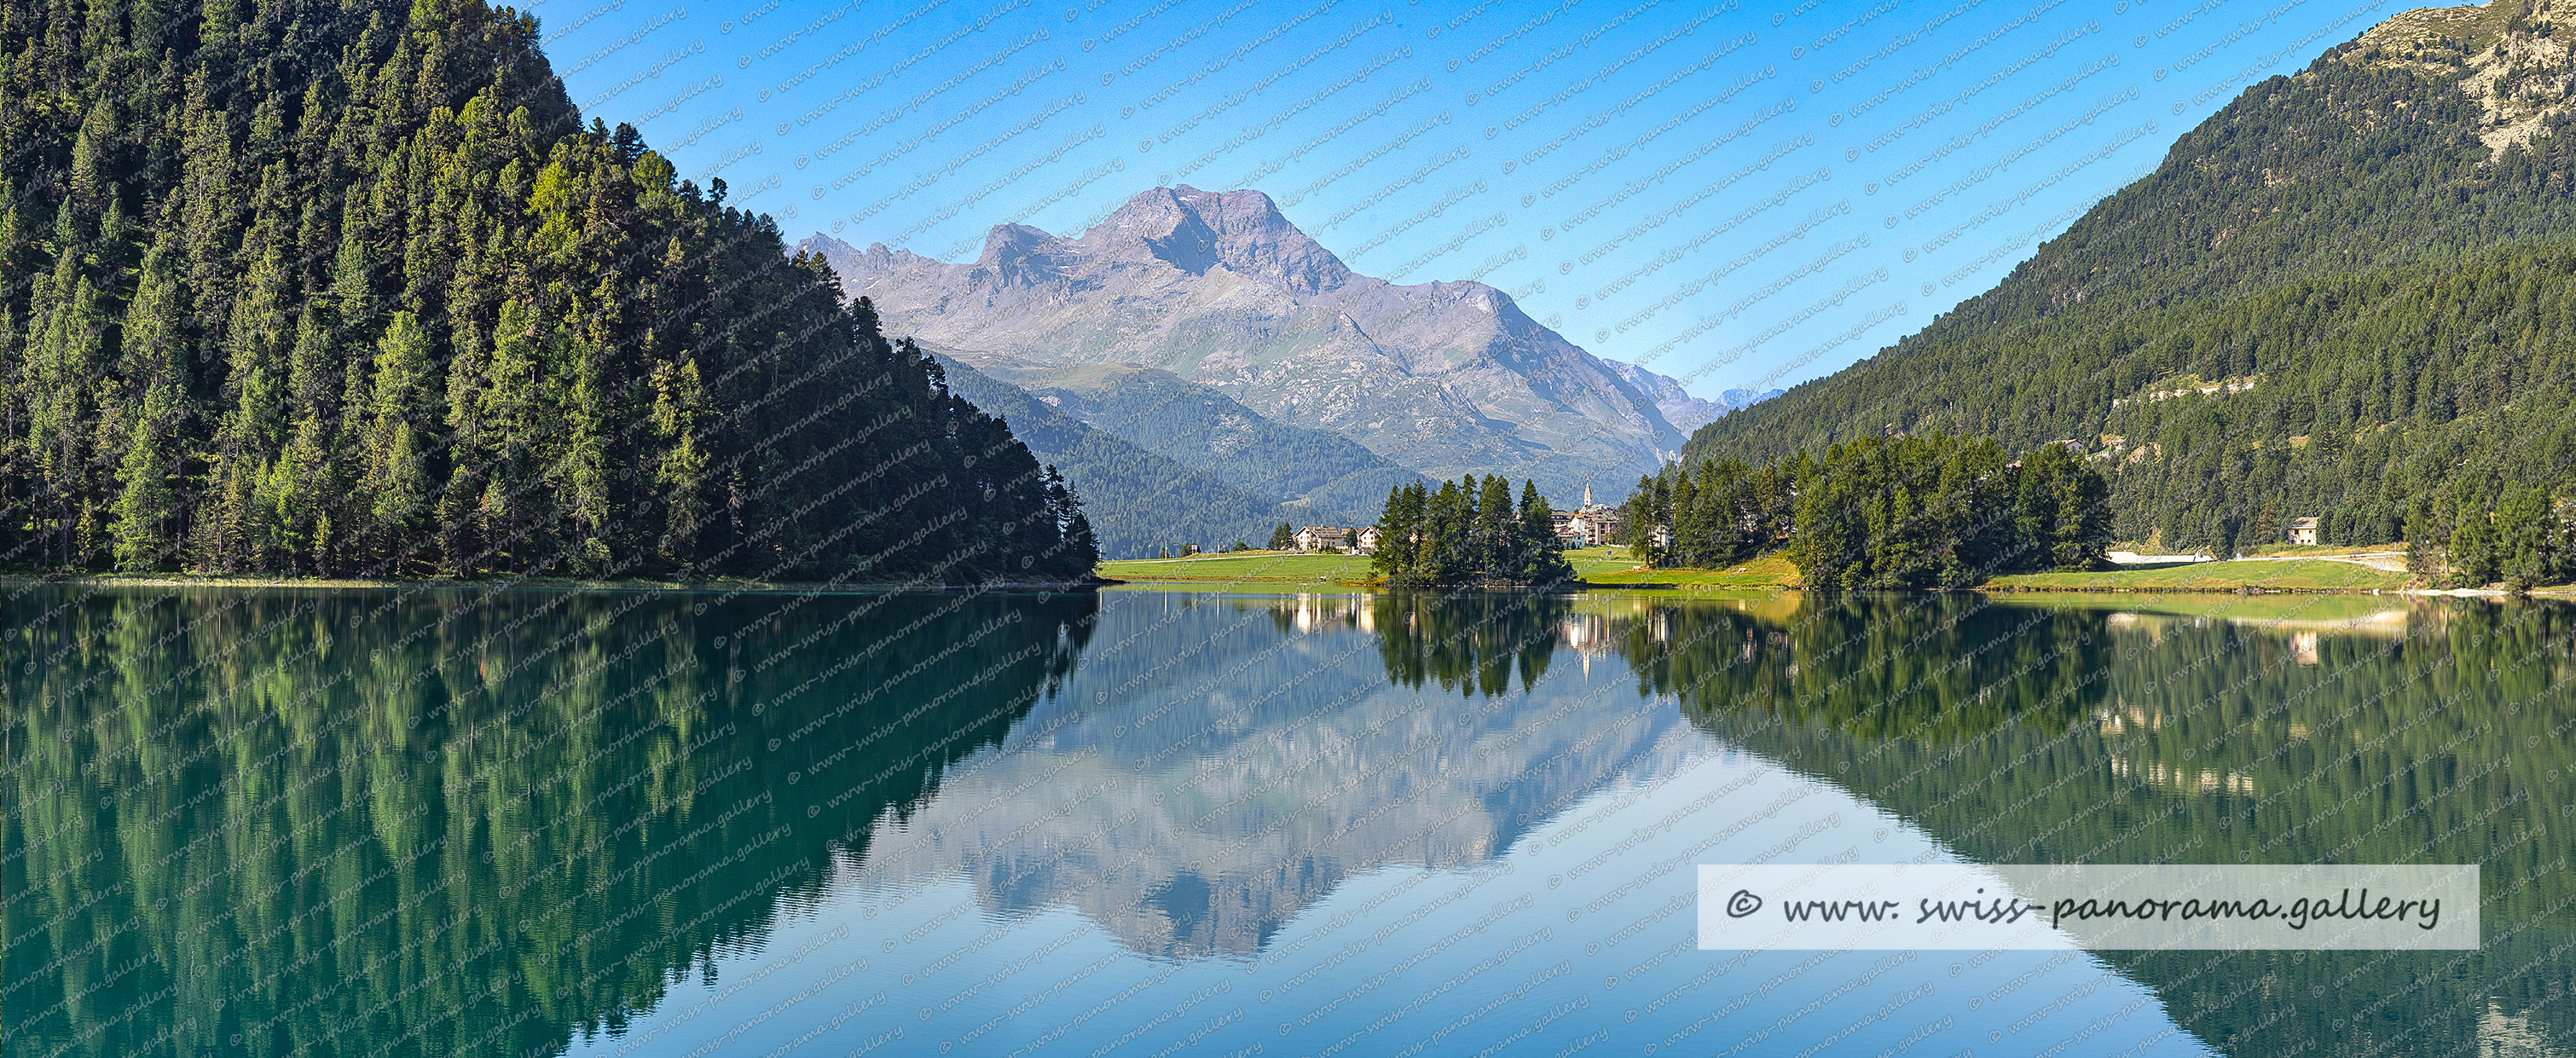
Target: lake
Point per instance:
(471, 821)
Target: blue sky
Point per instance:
(1746, 193)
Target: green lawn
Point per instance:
(1591, 562)
(2295, 575)
(1250, 567)
(1768, 571)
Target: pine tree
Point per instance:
(1497, 542)
(1541, 562)
(65, 376)
(509, 439)
(679, 402)
(147, 502)
(1646, 516)
(1398, 522)
(2473, 546)
(1468, 532)
(2527, 540)
(394, 481)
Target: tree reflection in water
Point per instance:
(2263, 730)
(442, 822)
(2334, 729)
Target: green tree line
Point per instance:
(348, 288)
(1907, 512)
(1468, 532)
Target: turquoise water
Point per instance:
(1153, 823)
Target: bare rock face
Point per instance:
(2511, 57)
(1220, 289)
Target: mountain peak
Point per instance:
(1017, 252)
(1012, 240)
(1194, 230)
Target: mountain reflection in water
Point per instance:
(1192, 811)
(475, 822)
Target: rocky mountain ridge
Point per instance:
(1222, 290)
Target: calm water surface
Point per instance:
(468, 822)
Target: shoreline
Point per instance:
(1096, 583)
(2463, 593)
(565, 584)
(2555, 592)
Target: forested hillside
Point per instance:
(1139, 502)
(347, 287)
(2347, 295)
(1325, 478)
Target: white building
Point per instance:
(1323, 537)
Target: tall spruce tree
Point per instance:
(2528, 542)
(2473, 555)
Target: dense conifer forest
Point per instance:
(336, 287)
(1912, 512)
(2331, 300)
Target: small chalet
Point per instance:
(2303, 530)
